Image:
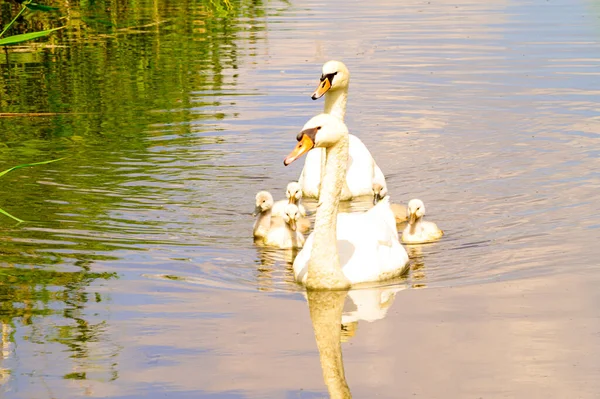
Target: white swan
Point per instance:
(418, 230)
(285, 235)
(349, 248)
(293, 192)
(362, 171)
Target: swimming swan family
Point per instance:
(348, 248)
(344, 249)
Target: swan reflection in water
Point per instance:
(417, 272)
(5, 351)
(274, 266)
(368, 305)
(335, 316)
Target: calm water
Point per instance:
(135, 274)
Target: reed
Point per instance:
(15, 39)
(2, 211)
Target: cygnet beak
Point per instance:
(292, 224)
(413, 218)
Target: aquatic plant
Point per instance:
(2, 211)
(14, 39)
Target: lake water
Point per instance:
(135, 273)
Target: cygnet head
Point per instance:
(293, 192)
(379, 193)
(335, 76)
(321, 131)
(264, 202)
(291, 214)
(415, 210)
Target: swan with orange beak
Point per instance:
(362, 170)
(344, 248)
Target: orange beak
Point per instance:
(304, 145)
(324, 86)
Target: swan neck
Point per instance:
(326, 315)
(335, 103)
(324, 271)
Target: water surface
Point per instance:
(135, 273)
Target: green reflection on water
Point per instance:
(25, 293)
(98, 92)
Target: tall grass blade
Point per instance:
(28, 164)
(2, 211)
(40, 7)
(7, 27)
(26, 36)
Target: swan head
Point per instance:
(294, 192)
(335, 76)
(415, 210)
(291, 215)
(379, 193)
(264, 202)
(320, 131)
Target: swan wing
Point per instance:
(383, 221)
(300, 265)
(378, 176)
(371, 251)
(367, 244)
(359, 173)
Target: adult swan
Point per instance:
(362, 171)
(348, 248)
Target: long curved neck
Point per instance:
(326, 315)
(324, 271)
(335, 103)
